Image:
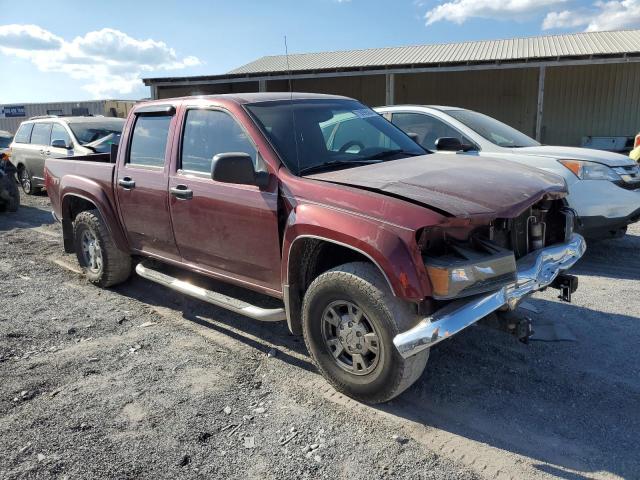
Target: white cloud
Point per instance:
(29, 37)
(459, 11)
(108, 60)
(611, 15)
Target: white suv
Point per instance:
(604, 187)
(40, 138)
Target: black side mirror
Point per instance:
(237, 167)
(61, 144)
(449, 144)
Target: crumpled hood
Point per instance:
(459, 185)
(610, 159)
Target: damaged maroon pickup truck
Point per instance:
(374, 248)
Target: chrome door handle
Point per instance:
(127, 183)
(182, 192)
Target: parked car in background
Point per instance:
(604, 187)
(635, 153)
(5, 141)
(374, 249)
(9, 194)
(41, 138)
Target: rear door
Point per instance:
(226, 229)
(141, 182)
(38, 150)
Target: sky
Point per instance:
(81, 50)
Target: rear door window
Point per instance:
(23, 135)
(149, 140)
(208, 133)
(41, 134)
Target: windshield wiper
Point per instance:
(335, 163)
(390, 153)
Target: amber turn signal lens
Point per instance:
(574, 166)
(439, 280)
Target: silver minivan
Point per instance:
(40, 138)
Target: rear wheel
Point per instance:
(26, 181)
(349, 320)
(103, 263)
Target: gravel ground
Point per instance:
(138, 381)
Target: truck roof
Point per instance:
(256, 97)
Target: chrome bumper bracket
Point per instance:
(536, 271)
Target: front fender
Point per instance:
(391, 247)
(80, 187)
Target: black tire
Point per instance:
(26, 181)
(9, 193)
(114, 265)
(362, 285)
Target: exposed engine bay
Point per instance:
(486, 259)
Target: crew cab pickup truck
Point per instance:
(374, 248)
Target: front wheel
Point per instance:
(349, 319)
(103, 263)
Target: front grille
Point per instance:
(630, 175)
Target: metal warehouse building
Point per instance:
(557, 89)
(11, 115)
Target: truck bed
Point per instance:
(80, 175)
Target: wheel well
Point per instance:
(309, 258)
(70, 209)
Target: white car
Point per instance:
(604, 187)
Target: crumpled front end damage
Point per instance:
(535, 271)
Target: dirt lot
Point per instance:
(140, 382)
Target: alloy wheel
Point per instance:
(350, 337)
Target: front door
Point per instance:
(227, 229)
(141, 185)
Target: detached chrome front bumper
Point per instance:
(535, 271)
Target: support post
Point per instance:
(262, 85)
(154, 92)
(390, 88)
(539, 111)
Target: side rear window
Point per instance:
(23, 135)
(208, 133)
(41, 134)
(149, 140)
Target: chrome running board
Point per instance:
(209, 296)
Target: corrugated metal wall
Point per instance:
(98, 107)
(509, 95)
(207, 89)
(596, 100)
(369, 89)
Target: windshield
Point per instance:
(5, 141)
(87, 132)
(491, 129)
(330, 133)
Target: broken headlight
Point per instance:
(471, 268)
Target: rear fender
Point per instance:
(79, 187)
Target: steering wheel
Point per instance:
(351, 143)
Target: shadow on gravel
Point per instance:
(558, 403)
(237, 327)
(25, 217)
(603, 258)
